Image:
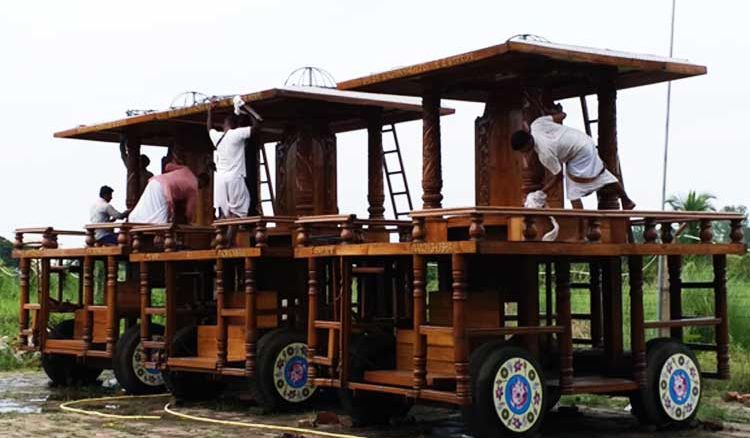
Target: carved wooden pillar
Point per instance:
(43, 315)
(375, 194)
(145, 293)
(674, 267)
(312, 315)
(420, 344)
(432, 173)
(460, 339)
(595, 288)
(23, 316)
(564, 319)
(528, 300)
(170, 306)
(113, 326)
(251, 326)
(134, 185)
(221, 326)
(720, 309)
(607, 95)
(88, 300)
(612, 312)
(637, 332)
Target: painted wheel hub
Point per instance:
(290, 373)
(517, 393)
(679, 386)
(147, 376)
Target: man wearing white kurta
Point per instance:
(231, 196)
(557, 145)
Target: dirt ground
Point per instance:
(29, 407)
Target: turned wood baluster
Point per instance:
(170, 241)
(721, 311)
(18, 244)
(145, 293)
(418, 230)
(23, 316)
(347, 231)
(136, 245)
(637, 333)
(303, 235)
(88, 300)
(49, 239)
(667, 234)
(261, 236)
(529, 230)
(649, 231)
(706, 234)
(737, 234)
(674, 268)
(594, 230)
(460, 339)
(420, 344)
(251, 324)
(476, 229)
(312, 315)
(219, 239)
(113, 326)
(221, 326)
(562, 289)
(43, 296)
(123, 237)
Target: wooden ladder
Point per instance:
(398, 170)
(587, 122)
(266, 179)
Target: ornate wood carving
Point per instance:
(375, 191)
(113, 326)
(312, 315)
(432, 173)
(221, 328)
(706, 233)
(420, 344)
(482, 159)
(251, 331)
(460, 339)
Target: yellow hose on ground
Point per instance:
(67, 406)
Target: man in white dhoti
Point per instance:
(558, 145)
(231, 196)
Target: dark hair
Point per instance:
(104, 191)
(520, 139)
(233, 120)
(145, 161)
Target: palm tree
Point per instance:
(694, 201)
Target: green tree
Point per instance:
(693, 201)
(6, 248)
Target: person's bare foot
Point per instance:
(627, 204)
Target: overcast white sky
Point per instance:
(78, 62)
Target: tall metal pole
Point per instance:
(662, 304)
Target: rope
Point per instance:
(68, 407)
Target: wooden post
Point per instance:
(420, 342)
(43, 314)
(23, 315)
(564, 319)
(312, 315)
(134, 185)
(595, 287)
(460, 339)
(637, 332)
(221, 326)
(528, 301)
(674, 266)
(88, 300)
(612, 312)
(607, 95)
(251, 321)
(432, 177)
(547, 296)
(720, 308)
(170, 306)
(145, 292)
(375, 194)
(113, 326)
(346, 320)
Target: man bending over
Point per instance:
(176, 187)
(558, 145)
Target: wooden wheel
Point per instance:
(190, 386)
(62, 369)
(129, 363)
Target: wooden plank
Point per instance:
(57, 253)
(685, 322)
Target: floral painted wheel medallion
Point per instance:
(147, 376)
(517, 393)
(290, 373)
(679, 386)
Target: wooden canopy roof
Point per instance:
(340, 110)
(565, 70)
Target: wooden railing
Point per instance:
(347, 229)
(122, 229)
(479, 216)
(259, 228)
(49, 236)
(170, 237)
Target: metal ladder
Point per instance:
(399, 170)
(265, 179)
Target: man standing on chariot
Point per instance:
(103, 212)
(558, 145)
(231, 195)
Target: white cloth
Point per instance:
(230, 190)
(558, 145)
(231, 195)
(102, 212)
(238, 104)
(538, 199)
(152, 207)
